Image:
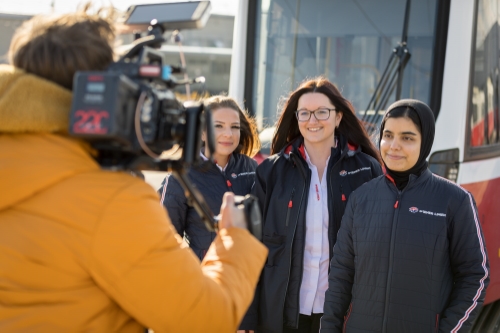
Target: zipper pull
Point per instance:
(228, 183)
(396, 204)
(343, 197)
(290, 204)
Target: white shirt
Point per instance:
(220, 168)
(316, 253)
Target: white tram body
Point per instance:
(454, 67)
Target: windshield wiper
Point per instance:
(392, 78)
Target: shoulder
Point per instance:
(244, 162)
(448, 189)
(376, 185)
(171, 185)
(278, 161)
(366, 159)
(119, 184)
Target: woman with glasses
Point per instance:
(321, 154)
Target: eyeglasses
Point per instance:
(320, 114)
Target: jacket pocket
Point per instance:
(276, 246)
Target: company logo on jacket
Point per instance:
(242, 174)
(416, 210)
(345, 173)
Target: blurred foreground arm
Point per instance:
(138, 261)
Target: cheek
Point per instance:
(415, 152)
(301, 127)
(383, 146)
(237, 135)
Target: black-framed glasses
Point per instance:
(319, 114)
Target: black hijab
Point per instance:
(427, 129)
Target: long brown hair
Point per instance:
(55, 47)
(287, 128)
(249, 139)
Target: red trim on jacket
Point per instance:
(352, 147)
(302, 150)
(384, 170)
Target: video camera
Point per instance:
(131, 116)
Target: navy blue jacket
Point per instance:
(407, 261)
(282, 187)
(238, 177)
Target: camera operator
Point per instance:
(88, 250)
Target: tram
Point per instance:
(443, 52)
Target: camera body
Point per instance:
(108, 111)
(130, 115)
(129, 112)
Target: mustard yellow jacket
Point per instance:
(86, 250)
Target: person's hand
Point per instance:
(231, 216)
(244, 331)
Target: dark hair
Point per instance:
(287, 128)
(402, 112)
(55, 47)
(249, 139)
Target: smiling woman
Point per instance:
(410, 258)
(403, 146)
(236, 141)
(400, 144)
(227, 134)
(322, 154)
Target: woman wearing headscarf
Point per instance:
(410, 253)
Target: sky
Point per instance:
(32, 7)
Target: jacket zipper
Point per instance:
(290, 205)
(346, 317)
(391, 254)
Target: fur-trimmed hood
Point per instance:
(30, 104)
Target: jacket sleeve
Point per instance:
(470, 267)
(173, 199)
(137, 260)
(341, 277)
(250, 320)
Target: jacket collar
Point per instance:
(414, 180)
(297, 146)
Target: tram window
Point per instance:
(484, 114)
(347, 41)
